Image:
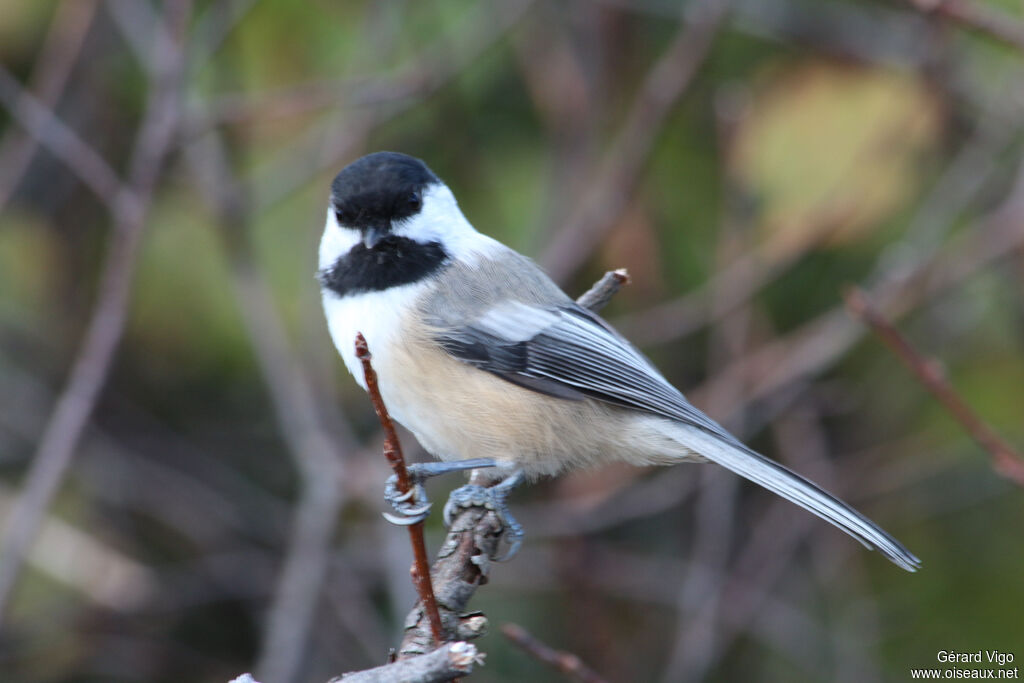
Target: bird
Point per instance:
(492, 366)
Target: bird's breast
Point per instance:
(379, 316)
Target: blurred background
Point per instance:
(190, 482)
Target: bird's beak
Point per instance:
(373, 235)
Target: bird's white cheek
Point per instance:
(335, 242)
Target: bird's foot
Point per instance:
(413, 506)
(493, 498)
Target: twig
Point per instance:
(96, 354)
(978, 17)
(393, 453)
(598, 296)
(443, 664)
(1005, 460)
(565, 662)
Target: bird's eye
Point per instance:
(415, 201)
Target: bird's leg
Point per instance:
(493, 498)
(413, 506)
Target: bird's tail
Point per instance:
(791, 486)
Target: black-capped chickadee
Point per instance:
(481, 355)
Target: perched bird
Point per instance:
(488, 362)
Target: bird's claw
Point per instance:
(492, 498)
(413, 506)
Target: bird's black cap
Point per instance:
(378, 189)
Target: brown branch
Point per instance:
(564, 662)
(393, 453)
(977, 17)
(1005, 460)
(462, 566)
(106, 326)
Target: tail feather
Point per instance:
(793, 487)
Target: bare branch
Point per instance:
(598, 296)
(393, 453)
(462, 566)
(564, 662)
(1005, 459)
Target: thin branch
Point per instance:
(983, 18)
(598, 296)
(463, 565)
(565, 662)
(393, 453)
(1005, 459)
(92, 364)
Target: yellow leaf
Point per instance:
(828, 151)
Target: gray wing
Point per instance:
(568, 352)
